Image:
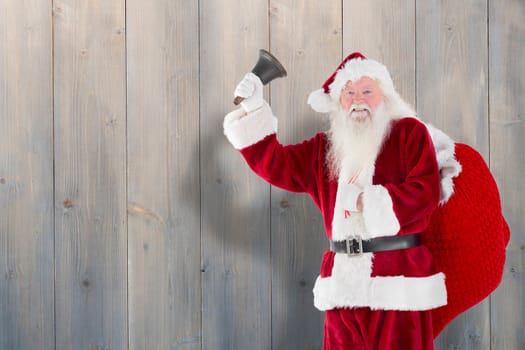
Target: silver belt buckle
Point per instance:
(354, 246)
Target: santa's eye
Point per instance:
(367, 92)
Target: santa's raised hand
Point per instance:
(251, 89)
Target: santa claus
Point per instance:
(376, 179)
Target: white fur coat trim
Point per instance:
(246, 130)
(351, 286)
(449, 167)
(378, 212)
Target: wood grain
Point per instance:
(298, 237)
(26, 176)
(90, 175)
(507, 162)
(127, 221)
(163, 175)
(235, 203)
(452, 94)
(452, 64)
(384, 31)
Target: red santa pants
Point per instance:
(363, 328)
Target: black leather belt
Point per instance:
(354, 246)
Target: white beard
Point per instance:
(355, 145)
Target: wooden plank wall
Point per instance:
(127, 221)
(452, 93)
(89, 55)
(507, 159)
(26, 176)
(163, 175)
(296, 226)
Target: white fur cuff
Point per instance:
(243, 131)
(378, 212)
(449, 167)
(347, 195)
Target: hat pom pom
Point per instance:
(320, 101)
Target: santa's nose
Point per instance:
(358, 97)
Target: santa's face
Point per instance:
(361, 98)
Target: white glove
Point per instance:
(251, 89)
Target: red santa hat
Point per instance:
(353, 67)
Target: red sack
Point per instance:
(468, 236)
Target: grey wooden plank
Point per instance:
(235, 203)
(26, 176)
(90, 174)
(384, 30)
(452, 69)
(163, 175)
(307, 40)
(452, 94)
(507, 162)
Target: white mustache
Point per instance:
(359, 106)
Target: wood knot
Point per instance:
(11, 274)
(302, 283)
(284, 204)
(68, 203)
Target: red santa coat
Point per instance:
(401, 189)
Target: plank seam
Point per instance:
(488, 140)
(199, 87)
(270, 233)
(54, 167)
(127, 167)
